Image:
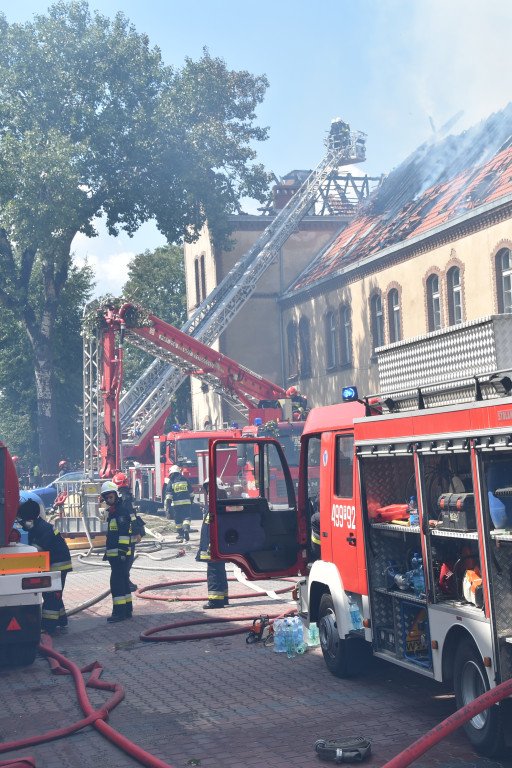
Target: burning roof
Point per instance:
(436, 184)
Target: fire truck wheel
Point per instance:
(485, 730)
(340, 656)
(21, 654)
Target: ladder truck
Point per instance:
(258, 400)
(24, 575)
(144, 408)
(413, 491)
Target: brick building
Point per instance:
(430, 248)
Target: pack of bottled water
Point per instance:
(289, 636)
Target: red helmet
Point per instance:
(292, 391)
(62, 464)
(121, 480)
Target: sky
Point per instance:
(396, 69)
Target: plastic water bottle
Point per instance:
(298, 633)
(313, 636)
(414, 518)
(279, 639)
(290, 638)
(302, 648)
(355, 615)
(418, 577)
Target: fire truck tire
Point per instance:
(21, 654)
(342, 657)
(485, 731)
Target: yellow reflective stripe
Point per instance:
(179, 503)
(119, 600)
(314, 539)
(65, 565)
(124, 540)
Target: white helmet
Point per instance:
(109, 487)
(175, 470)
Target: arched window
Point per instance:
(305, 348)
(455, 315)
(395, 325)
(293, 351)
(330, 340)
(197, 281)
(433, 303)
(203, 278)
(504, 280)
(345, 336)
(377, 321)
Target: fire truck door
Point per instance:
(340, 520)
(260, 533)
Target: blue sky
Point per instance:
(389, 67)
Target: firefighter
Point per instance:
(117, 552)
(138, 529)
(315, 528)
(63, 467)
(299, 403)
(47, 539)
(168, 497)
(181, 493)
(215, 571)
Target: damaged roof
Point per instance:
(436, 184)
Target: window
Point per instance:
(330, 340)
(293, 352)
(377, 321)
(454, 296)
(395, 326)
(504, 280)
(197, 281)
(345, 336)
(203, 278)
(345, 466)
(305, 348)
(200, 279)
(433, 303)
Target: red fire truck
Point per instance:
(415, 503)
(264, 404)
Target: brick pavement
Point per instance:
(215, 702)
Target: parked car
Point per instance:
(49, 493)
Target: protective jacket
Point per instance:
(315, 535)
(47, 539)
(119, 531)
(180, 490)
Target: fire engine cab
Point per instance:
(415, 501)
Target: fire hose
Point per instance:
(443, 729)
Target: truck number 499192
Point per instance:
(343, 515)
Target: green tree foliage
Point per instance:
(92, 123)
(157, 282)
(18, 408)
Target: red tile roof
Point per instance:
(368, 233)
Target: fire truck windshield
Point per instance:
(291, 448)
(186, 449)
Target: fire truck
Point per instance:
(264, 404)
(24, 575)
(414, 494)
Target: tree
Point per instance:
(157, 282)
(18, 402)
(92, 123)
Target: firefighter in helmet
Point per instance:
(215, 571)
(63, 467)
(117, 553)
(46, 538)
(138, 528)
(181, 494)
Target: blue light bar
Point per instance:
(349, 394)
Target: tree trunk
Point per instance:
(47, 424)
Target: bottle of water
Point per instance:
(313, 637)
(418, 577)
(290, 638)
(302, 648)
(414, 518)
(279, 639)
(298, 631)
(355, 615)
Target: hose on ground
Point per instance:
(439, 732)
(187, 598)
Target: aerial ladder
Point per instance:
(143, 408)
(243, 388)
